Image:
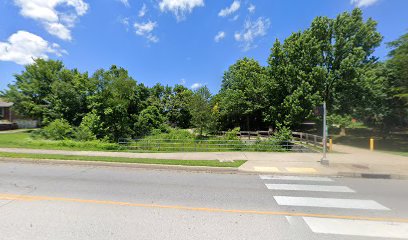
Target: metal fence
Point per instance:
(198, 145)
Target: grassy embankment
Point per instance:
(395, 142)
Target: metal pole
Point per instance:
(324, 159)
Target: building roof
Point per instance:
(5, 104)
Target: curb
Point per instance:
(219, 170)
(374, 175)
(335, 175)
(223, 170)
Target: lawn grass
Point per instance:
(394, 142)
(206, 163)
(23, 140)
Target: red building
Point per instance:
(6, 121)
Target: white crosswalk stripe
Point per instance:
(335, 226)
(357, 227)
(329, 203)
(313, 188)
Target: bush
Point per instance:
(149, 119)
(59, 129)
(88, 128)
(172, 133)
(83, 133)
(283, 134)
(232, 134)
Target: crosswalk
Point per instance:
(305, 192)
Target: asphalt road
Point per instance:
(47, 201)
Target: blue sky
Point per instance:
(189, 42)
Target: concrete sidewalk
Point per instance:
(350, 162)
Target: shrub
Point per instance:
(284, 134)
(172, 133)
(149, 119)
(90, 125)
(57, 130)
(232, 134)
(83, 133)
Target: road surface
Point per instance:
(52, 201)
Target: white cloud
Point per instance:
(183, 81)
(56, 22)
(220, 35)
(124, 21)
(251, 31)
(23, 47)
(230, 10)
(142, 11)
(196, 86)
(125, 2)
(180, 7)
(251, 8)
(146, 29)
(363, 3)
(235, 18)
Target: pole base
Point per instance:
(324, 161)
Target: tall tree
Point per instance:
(398, 65)
(115, 91)
(324, 62)
(200, 109)
(31, 90)
(242, 94)
(177, 107)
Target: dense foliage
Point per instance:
(332, 61)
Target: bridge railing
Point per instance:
(308, 138)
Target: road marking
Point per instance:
(313, 188)
(300, 170)
(266, 169)
(357, 227)
(329, 203)
(296, 178)
(198, 209)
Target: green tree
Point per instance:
(30, 92)
(241, 98)
(324, 62)
(177, 107)
(67, 97)
(200, 109)
(398, 78)
(114, 93)
(149, 119)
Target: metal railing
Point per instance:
(198, 145)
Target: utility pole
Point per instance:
(324, 159)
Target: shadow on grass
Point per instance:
(396, 141)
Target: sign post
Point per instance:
(324, 159)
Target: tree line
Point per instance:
(330, 61)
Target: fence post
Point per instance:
(315, 140)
